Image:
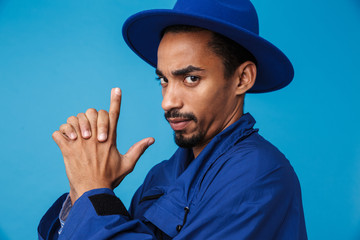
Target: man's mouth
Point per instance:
(178, 124)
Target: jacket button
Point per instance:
(178, 228)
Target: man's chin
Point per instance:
(187, 142)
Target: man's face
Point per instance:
(197, 100)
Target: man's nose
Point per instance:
(171, 98)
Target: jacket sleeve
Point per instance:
(97, 214)
(49, 224)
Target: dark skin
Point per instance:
(192, 80)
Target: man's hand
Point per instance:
(93, 161)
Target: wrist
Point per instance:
(75, 194)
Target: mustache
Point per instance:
(174, 113)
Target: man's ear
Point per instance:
(245, 75)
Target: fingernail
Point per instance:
(117, 91)
(86, 133)
(72, 136)
(102, 137)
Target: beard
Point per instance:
(189, 142)
(179, 138)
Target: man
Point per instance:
(225, 181)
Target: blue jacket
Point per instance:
(239, 187)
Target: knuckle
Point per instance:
(103, 112)
(91, 114)
(116, 99)
(56, 136)
(113, 114)
(91, 111)
(72, 119)
(63, 127)
(83, 122)
(84, 126)
(80, 115)
(102, 127)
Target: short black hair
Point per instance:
(231, 53)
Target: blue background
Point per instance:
(60, 57)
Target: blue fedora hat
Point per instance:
(235, 19)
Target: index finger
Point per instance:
(114, 110)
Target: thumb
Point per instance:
(136, 150)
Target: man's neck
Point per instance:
(197, 149)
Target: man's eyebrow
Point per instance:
(186, 70)
(182, 71)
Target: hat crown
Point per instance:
(240, 13)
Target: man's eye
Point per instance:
(191, 79)
(162, 80)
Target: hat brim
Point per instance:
(142, 32)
